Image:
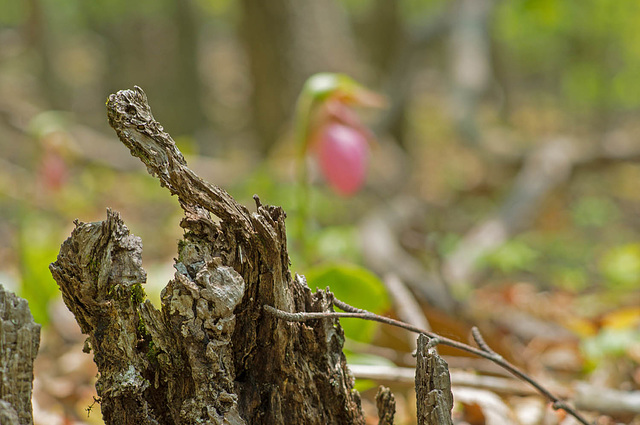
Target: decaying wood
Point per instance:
(19, 343)
(433, 386)
(211, 354)
(386, 403)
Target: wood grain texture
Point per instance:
(433, 386)
(386, 404)
(19, 343)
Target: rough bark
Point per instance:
(19, 343)
(386, 404)
(210, 355)
(433, 386)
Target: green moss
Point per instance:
(94, 267)
(142, 328)
(114, 291)
(137, 294)
(152, 353)
(181, 246)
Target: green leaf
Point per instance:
(569, 278)
(48, 122)
(621, 266)
(610, 343)
(354, 285)
(593, 211)
(512, 256)
(337, 242)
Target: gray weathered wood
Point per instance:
(211, 354)
(19, 343)
(433, 386)
(386, 404)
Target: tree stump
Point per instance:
(386, 404)
(433, 385)
(19, 343)
(211, 354)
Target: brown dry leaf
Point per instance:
(494, 410)
(472, 414)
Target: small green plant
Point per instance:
(353, 284)
(38, 244)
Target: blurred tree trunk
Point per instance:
(287, 41)
(504, 81)
(470, 57)
(126, 52)
(383, 35)
(162, 55)
(387, 45)
(40, 38)
(186, 94)
(410, 43)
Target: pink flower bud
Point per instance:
(342, 153)
(53, 170)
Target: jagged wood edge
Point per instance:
(386, 404)
(19, 343)
(433, 385)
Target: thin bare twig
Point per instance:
(353, 312)
(479, 339)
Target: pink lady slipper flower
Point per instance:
(332, 132)
(342, 153)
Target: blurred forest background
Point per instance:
(503, 189)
